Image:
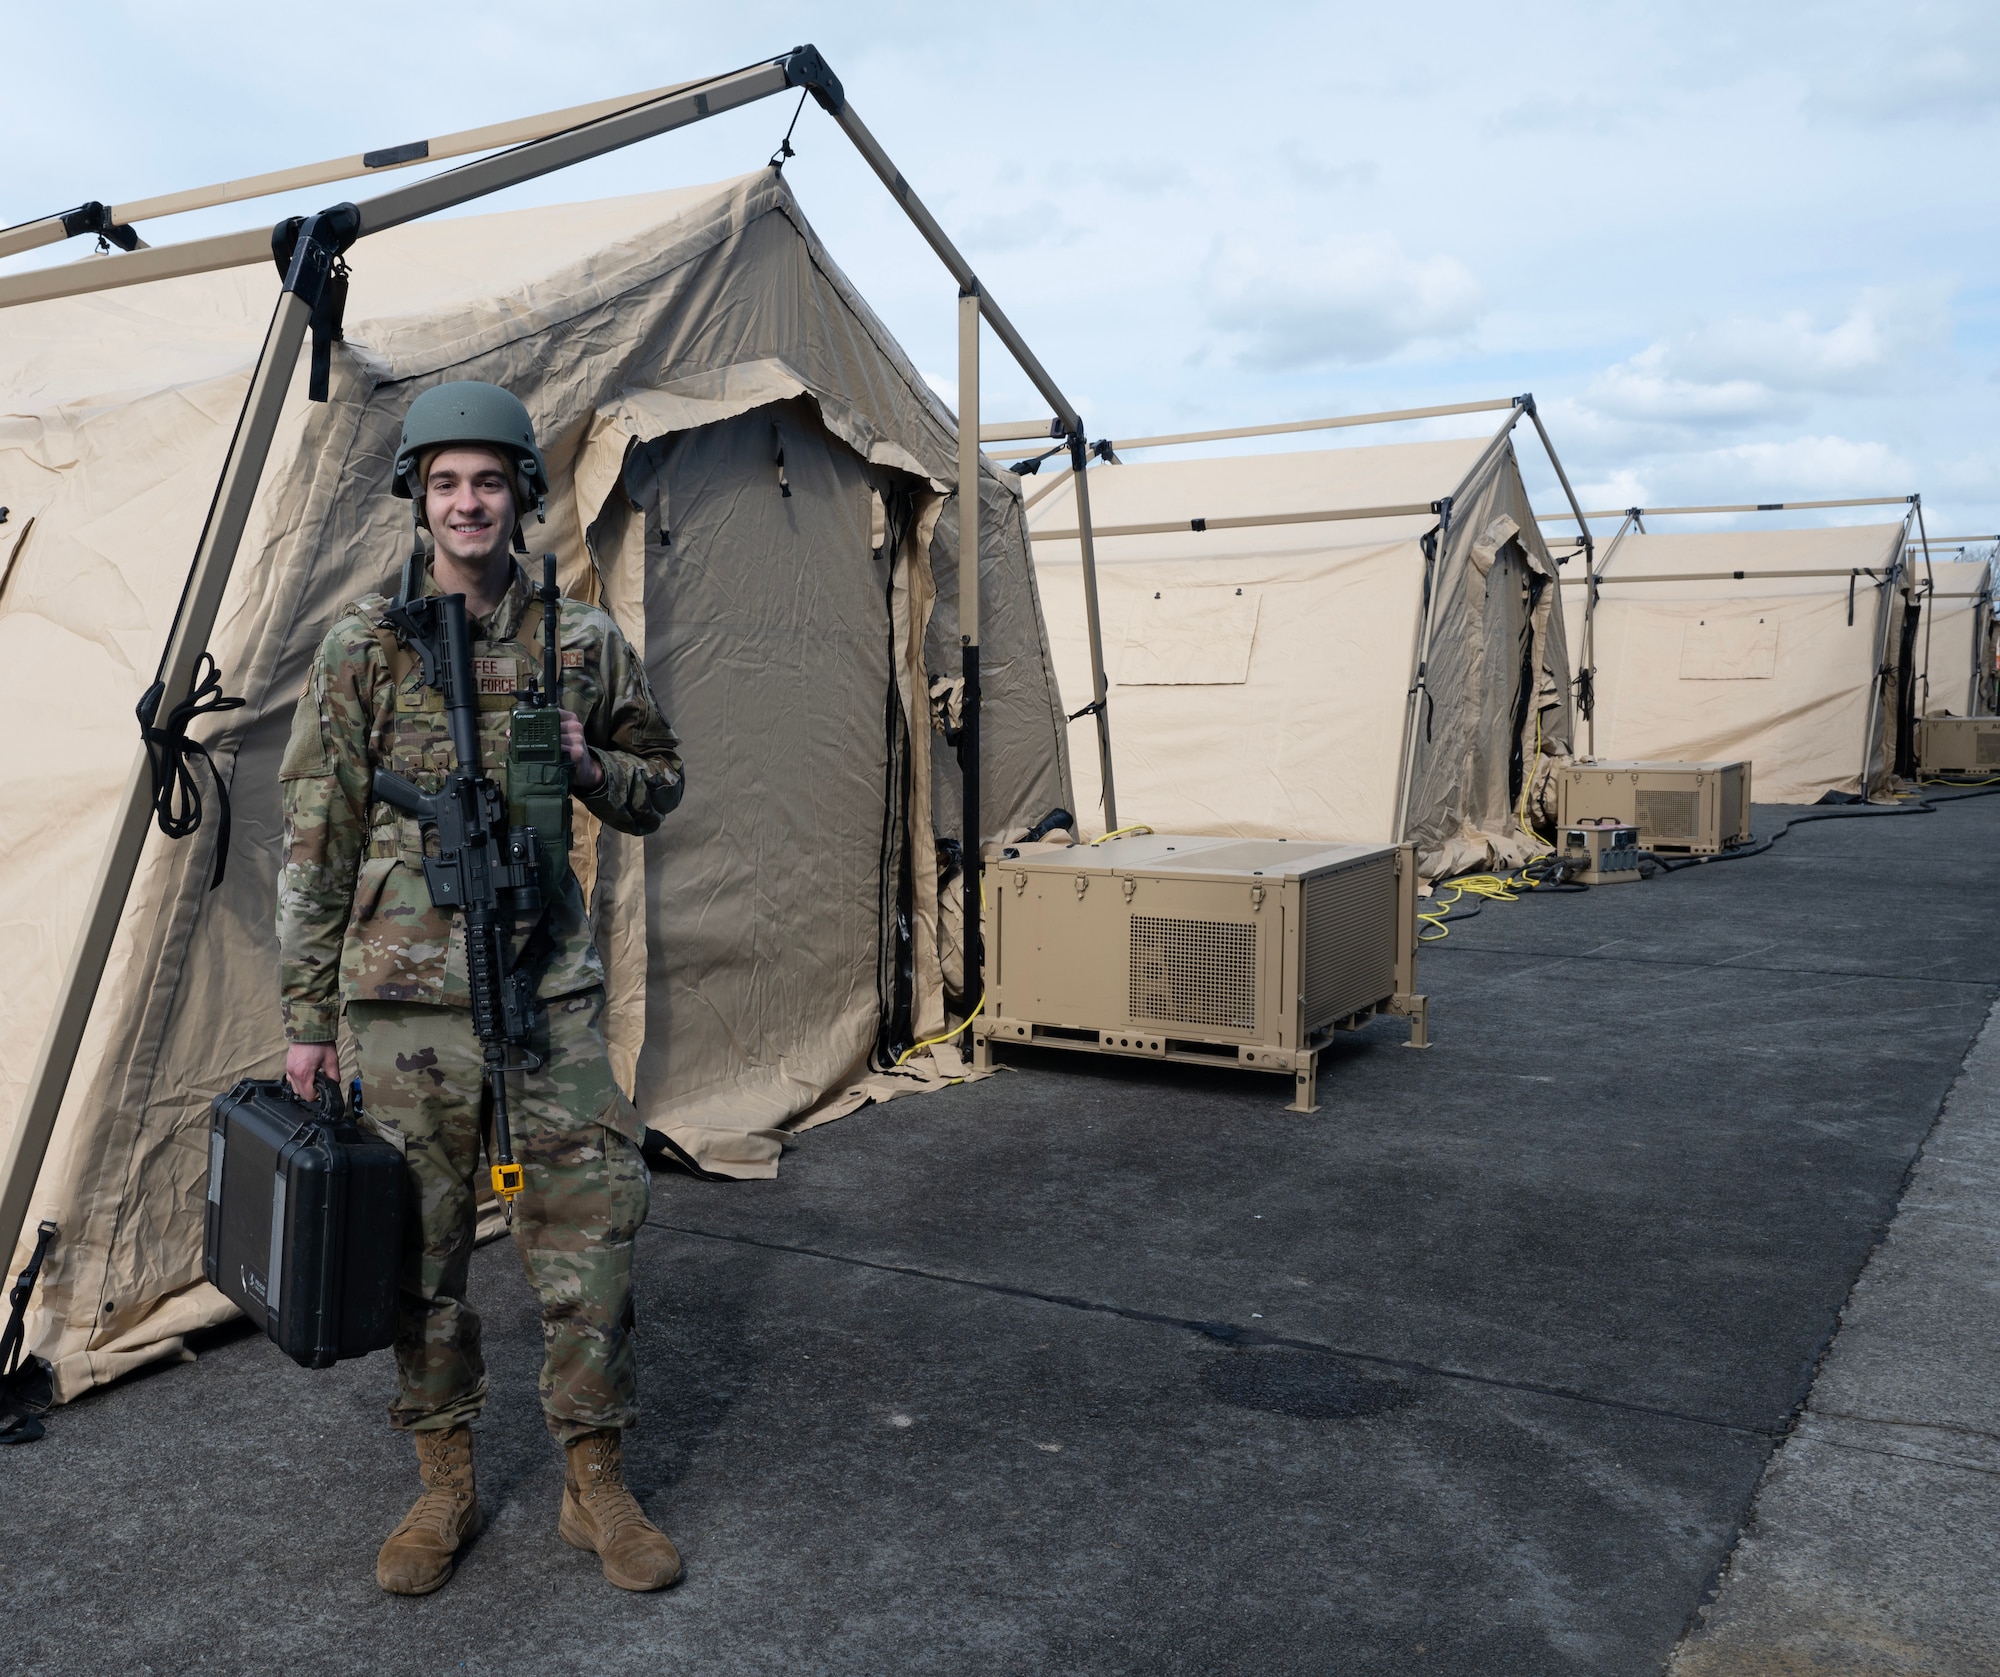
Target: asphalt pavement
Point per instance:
(1119, 1367)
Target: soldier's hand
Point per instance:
(305, 1060)
(589, 773)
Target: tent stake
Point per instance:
(215, 556)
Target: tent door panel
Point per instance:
(767, 649)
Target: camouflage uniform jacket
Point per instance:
(354, 913)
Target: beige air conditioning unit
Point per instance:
(1958, 745)
(1208, 951)
(1698, 808)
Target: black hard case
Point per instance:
(304, 1227)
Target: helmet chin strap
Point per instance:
(520, 518)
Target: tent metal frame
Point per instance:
(1633, 518)
(110, 221)
(1435, 541)
(308, 249)
(1575, 517)
(1023, 432)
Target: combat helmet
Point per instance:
(471, 411)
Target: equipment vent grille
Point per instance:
(1348, 957)
(1666, 815)
(1194, 972)
(1986, 747)
(1733, 824)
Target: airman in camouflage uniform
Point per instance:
(357, 929)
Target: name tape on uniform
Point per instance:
(494, 675)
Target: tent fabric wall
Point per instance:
(1956, 637)
(1765, 667)
(1261, 680)
(667, 346)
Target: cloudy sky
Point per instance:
(1738, 252)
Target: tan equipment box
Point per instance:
(1208, 951)
(1602, 852)
(1698, 808)
(1958, 745)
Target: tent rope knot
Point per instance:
(176, 796)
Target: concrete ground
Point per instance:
(1108, 1367)
(1871, 1546)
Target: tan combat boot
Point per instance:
(599, 1514)
(420, 1553)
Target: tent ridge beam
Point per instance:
(1574, 515)
(1724, 576)
(51, 229)
(1025, 431)
(1196, 526)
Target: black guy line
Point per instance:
(1228, 1333)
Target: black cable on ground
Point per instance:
(1839, 812)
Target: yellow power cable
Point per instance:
(1121, 832)
(1993, 782)
(1494, 887)
(932, 1041)
(976, 1006)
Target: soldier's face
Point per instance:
(470, 504)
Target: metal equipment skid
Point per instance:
(1207, 951)
(1698, 808)
(1964, 745)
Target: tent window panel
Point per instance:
(1729, 649)
(1190, 637)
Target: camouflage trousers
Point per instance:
(583, 1200)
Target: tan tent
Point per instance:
(1956, 636)
(1758, 644)
(1373, 678)
(749, 473)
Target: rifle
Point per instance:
(488, 868)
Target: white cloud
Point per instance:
(1646, 387)
(1341, 299)
(1793, 469)
(1744, 368)
(1877, 339)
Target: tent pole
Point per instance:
(1099, 701)
(1883, 590)
(1573, 515)
(836, 105)
(469, 181)
(110, 219)
(1419, 696)
(1589, 559)
(1930, 616)
(1590, 625)
(215, 555)
(972, 860)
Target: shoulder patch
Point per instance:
(305, 753)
